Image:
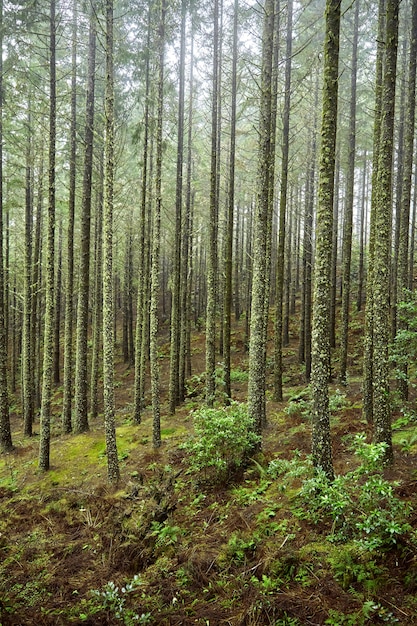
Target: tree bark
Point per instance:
(321, 442)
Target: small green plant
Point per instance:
(239, 547)
(166, 535)
(362, 505)
(224, 438)
(299, 404)
(337, 401)
(113, 600)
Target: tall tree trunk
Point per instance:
(156, 238)
(5, 430)
(81, 369)
(402, 280)
(398, 188)
(282, 210)
(348, 222)
(320, 372)
(177, 273)
(113, 471)
(142, 276)
(257, 342)
(362, 229)
(27, 336)
(412, 236)
(185, 352)
(48, 355)
(69, 304)
(58, 301)
(97, 321)
(212, 226)
(383, 222)
(230, 214)
(368, 356)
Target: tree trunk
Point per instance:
(69, 305)
(402, 280)
(177, 274)
(48, 355)
(156, 239)
(383, 222)
(282, 211)
(321, 442)
(81, 368)
(113, 471)
(257, 341)
(5, 430)
(348, 221)
(212, 226)
(368, 356)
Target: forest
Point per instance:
(208, 331)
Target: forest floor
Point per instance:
(171, 547)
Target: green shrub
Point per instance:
(224, 438)
(362, 505)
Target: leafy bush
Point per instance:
(224, 437)
(362, 505)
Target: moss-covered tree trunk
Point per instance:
(369, 320)
(177, 270)
(282, 211)
(348, 221)
(113, 471)
(28, 337)
(81, 367)
(383, 218)
(97, 315)
(156, 238)
(48, 350)
(228, 257)
(5, 431)
(403, 245)
(321, 442)
(362, 230)
(257, 341)
(141, 314)
(69, 305)
(212, 225)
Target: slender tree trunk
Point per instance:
(58, 301)
(212, 226)
(348, 222)
(48, 355)
(398, 191)
(69, 304)
(185, 350)
(362, 227)
(230, 214)
(5, 430)
(113, 471)
(142, 278)
(97, 321)
(368, 357)
(156, 238)
(383, 222)
(282, 211)
(257, 351)
(321, 442)
(81, 368)
(412, 235)
(177, 275)
(28, 337)
(406, 184)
